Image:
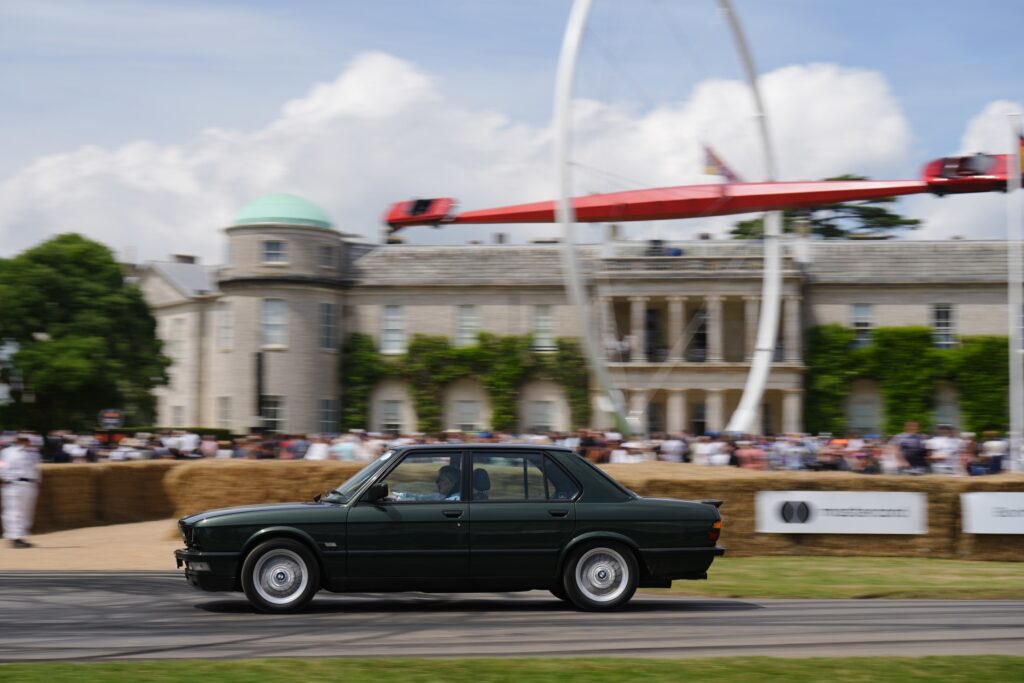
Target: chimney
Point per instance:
(184, 258)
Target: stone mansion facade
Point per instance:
(254, 342)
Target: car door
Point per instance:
(522, 512)
(417, 534)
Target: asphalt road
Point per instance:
(154, 615)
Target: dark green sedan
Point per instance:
(456, 518)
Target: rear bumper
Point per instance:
(679, 563)
(209, 571)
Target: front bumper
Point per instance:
(209, 571)
(680, 563)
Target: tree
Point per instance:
(869, 218)
(86, 339)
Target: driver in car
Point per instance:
(448, 478)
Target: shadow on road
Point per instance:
(383, 604)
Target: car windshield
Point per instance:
(349, 488)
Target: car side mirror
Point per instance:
(377, 492)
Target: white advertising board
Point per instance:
(992, 513)
(841, 512)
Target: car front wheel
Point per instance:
(280, 575)
(600, 576)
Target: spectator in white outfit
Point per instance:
(19, 474)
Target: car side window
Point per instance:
(519, 477)
(426, 477)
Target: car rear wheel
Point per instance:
(280, 575)
(600, 576)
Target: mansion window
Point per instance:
(176, 339)
(392, 333)
(541, 417)
(543, 327)
(325, 257)
(467, 324)
(224, 412)
(328, 423)
(275, 251)
(943, 330)
(391, 417)
(862, 320)
(467, 415)
(328, 338)
(274, 322)
(225, 326)
(272, 413)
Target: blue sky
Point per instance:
(124, 80)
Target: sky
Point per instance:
(147, 125)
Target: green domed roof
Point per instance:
(287, 209)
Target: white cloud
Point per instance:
(382, 132)
(978, 216)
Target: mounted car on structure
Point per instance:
(457, 518)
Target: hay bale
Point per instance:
(209, 484)
(67, 497)
(135, 491)
(739, 487)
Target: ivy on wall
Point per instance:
(906, 366)
(501, 363)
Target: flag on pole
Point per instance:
(713, 165)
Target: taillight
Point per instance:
(716, 530)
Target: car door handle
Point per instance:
(558, 513)
(454, 514)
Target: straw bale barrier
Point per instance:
(86, 495)
(208, 484)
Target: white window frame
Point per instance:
(391, 416)
(862, 320)
(467, 324)
(224, 412)
(225, 326)
(274, 252)
(176, 338)
(274, 329)
(544, 327)
(328, 417)
(944, 330)
(272, 412)
(392, 329)
(328, 326)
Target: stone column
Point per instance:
(638, 328)
(675, 411)
(675, 328)
(638, 407)
(714, 323)
(792, 410)
(792, 331)
(714, 407)
(751, 306)
(608, 336)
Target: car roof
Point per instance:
(500, 446)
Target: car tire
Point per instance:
(600, 577)
(280, 575)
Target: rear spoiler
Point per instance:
(711, 501)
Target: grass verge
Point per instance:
(856, 577)
(731, 670)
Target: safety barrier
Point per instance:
(87, 495)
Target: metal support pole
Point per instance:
(1015, 276)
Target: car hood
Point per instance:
(242, 509)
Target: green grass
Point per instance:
(856, 577)
(731, 670)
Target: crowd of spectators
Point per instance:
(910, 452)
